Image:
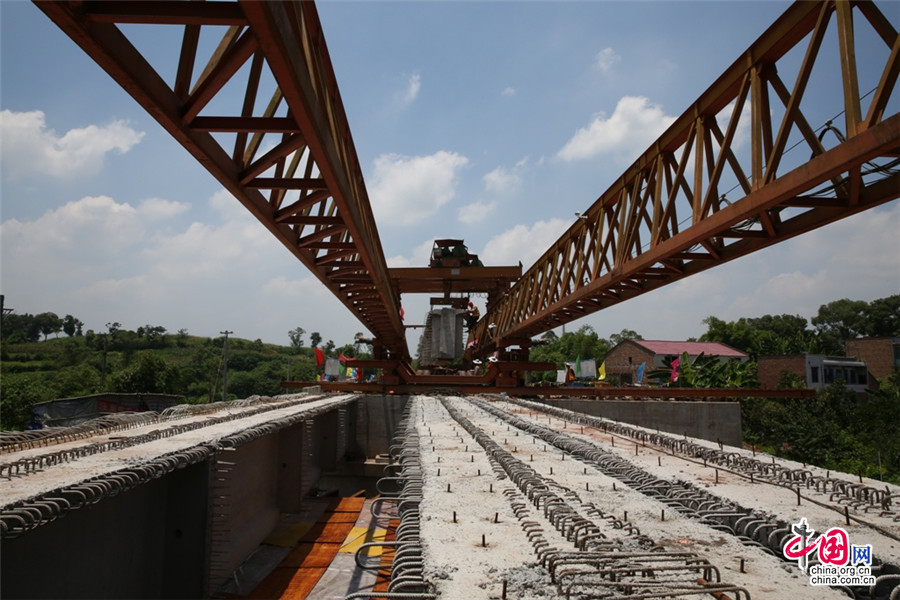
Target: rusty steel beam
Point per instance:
(464, 385)
(306, 188)
(696, 199)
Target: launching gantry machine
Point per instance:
(800, 131)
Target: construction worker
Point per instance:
(472, 316)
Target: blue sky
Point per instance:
(489, 121)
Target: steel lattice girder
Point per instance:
(308, 189)
(629, 241)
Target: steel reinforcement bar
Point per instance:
(632, 567)
(401, 487)
(751, 527)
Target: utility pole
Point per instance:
(225, 366)
(3, 309)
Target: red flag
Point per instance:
(343, 358)
(675, 364)
(320, 357)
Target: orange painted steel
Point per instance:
(695, 199)
(289, 158)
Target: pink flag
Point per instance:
(675, 364)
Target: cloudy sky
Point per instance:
(489, 121)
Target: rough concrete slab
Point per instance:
(18, 488)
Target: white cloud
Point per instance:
(508, 91)
(59, 231)
(502, 180)
(103, 260)
(420, 256)
(605, 59)
(522, 243)
(205, 250)
(406, 190)
(411, 91)
(633, 126)
(159, 208)
(834, 262)
(476, 212)
(30, 148)
(82, 244)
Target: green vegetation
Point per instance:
(708, 372)
(835, 430)
(147, 360)
(775, 335)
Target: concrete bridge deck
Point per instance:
(502, 493)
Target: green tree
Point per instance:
(72, 326)
(18, 328)
(883, 317)
(19, 392)
(584, 344)
(708, 372)
(151, 374)
(296, 336)
(48, 323)
(835, 430)
(80, 380)
(625, 334)
(315, 338)
(154, 335)
(841, 320)
(737, 334)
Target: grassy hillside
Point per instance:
(174, 364)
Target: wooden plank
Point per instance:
(300, 571)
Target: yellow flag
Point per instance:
(601, 372)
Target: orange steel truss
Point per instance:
(697, 199)
(307, 187)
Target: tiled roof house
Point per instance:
(626, 357)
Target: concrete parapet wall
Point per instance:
(713, 421)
